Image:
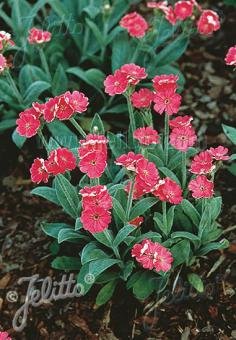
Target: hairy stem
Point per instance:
(184, 170)
(131, 114)
(166, 138)
(130, 200)
(14, 87)
(44, 63)
(78, 127)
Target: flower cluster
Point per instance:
(183, 135)
(5, 40)
(127, 75)
(59, 161)
(38, 36)
(145, 172)
(93, 155)
(152, 255)
(168, 190)
(96, 205)
(230, 58)
(207, 23)
(203, 165)
(142, 98)
(135, 24)
(62, 107)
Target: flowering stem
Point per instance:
(78, 127)
(14, 88)
(166, 138)
(115, 249)
(130, 200)
(164, 216)
(184, 170)
(44, 63)
(131, 114)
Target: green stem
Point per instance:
(14, 87)
(130, 200)
(43, 140)
(164, 216)
(166, 138)
(136, 51)
(184, 170)
(115, 249)
(78, 127)
(131, 114)
(44, 63)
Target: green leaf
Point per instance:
(213, 246)
(35, 90)
(66, 263)
(117, 207)
(144, 286)
(18, 140)
(30, 74)
(96, 31)
(7, 124)
(122, 234)
(120, 51)
(97, 122)
(59, 81)
(191, 212)
(105, 238)
(169, 173)
(94, 77)
(91, 252)
(117, 145)
(185, 234)
(172, 51)
(196, 281)
(230, 132)
(67, 196)
(215, 205)
(70, 235)
(53, 229)
(106, 293)
(90, 271)
(142, 206)
(47, 193)
(181, 252)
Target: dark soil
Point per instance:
(210, 96)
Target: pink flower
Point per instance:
(5, 336)
(208, 22)
(147, 174)
(50, 109)
(146, 135)
(183, 9)
(168, 190)
(64, 110)
(38, 36)
(135, 24)
(92, 143)
(95, 219)
(5, 40)
(167, 10)
(152, 255)
(97, 195)
(167, 101)
(27, 124)
(201, 187)
(116, 84)
(142, 98)
(219, 153)
(129, 161)
(179, 122)
(165, 82)
(38, 171)
(202, 163)
(93, 164)
(38, 109)
(139, 188)
(77, 101)
(170, 16)
(183, 138)
(60, 161)
(134, 73)
(230, 58)
(3, 63)
(137, 221)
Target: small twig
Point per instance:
(216, 265)
(134, 325)
(227, 230)
(157, 304)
